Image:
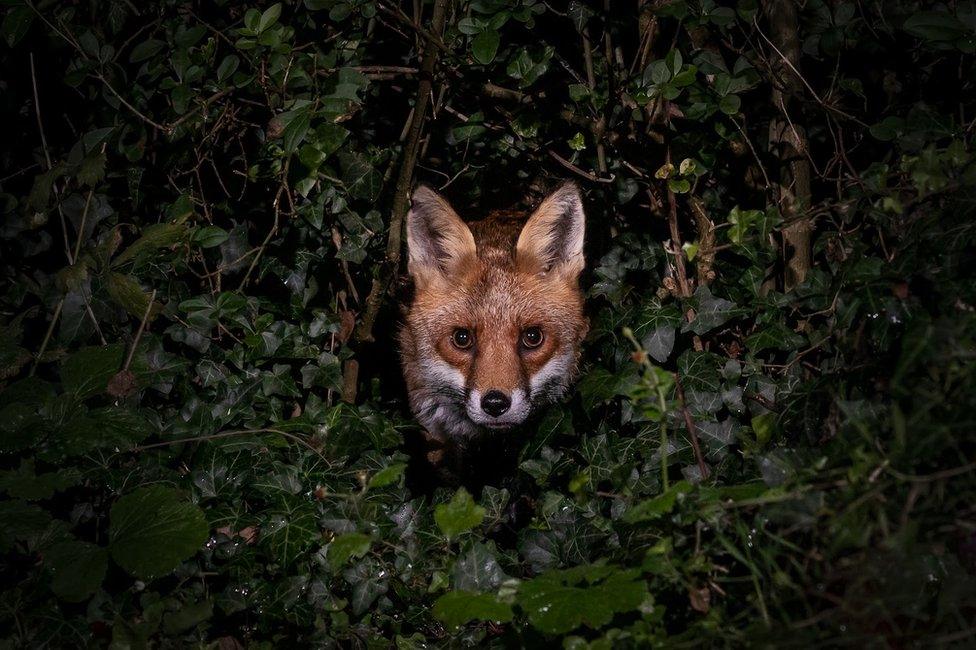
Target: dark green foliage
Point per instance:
(186, 257)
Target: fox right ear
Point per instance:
(437, 239)
(552, 238)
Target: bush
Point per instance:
(202, 422)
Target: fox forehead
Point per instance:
(494, 299)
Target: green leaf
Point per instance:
(360, 177)
(187, 618)
(210, 236)
(460, 515)
(269, 17)
(730, 104)
(658, 506)
(126, 292)
(484, 46)
(347, 546)
(679, 185)
(20, 521)
(290, 530)
(711, 312)
(557, 602)
(937, 26)
(387, 475)
(23, 483)
(153, 529)
(15, 24)
(228, 67)
(659, 342)
(295, 126)
(154, 237)
(145, 50)
(456, 608)
(87, 371)
(764, 426)
(104, 428)
(77, 569)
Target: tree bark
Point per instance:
(401, 198)
(788, 142)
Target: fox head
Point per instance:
(494, 327)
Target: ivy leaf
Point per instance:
(560, 601)
(77, 569)
(359, 176)
(460, 515)
(775, 336)
(456, 608)
(290, 531)
(711, 312)
(477, 570)
(347, 546)
(659, 342)
(152, 530)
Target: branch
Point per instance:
(692, 431)
(401, 197)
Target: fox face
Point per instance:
(494, 327)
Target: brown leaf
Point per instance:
(229, 643)
(122, 384)
(249, 534)
(275, 128)
(900, 290)
(701, 599)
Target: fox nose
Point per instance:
(495, 402)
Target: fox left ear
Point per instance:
(438, 241)
(552, 238)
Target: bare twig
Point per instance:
(601, 156)
(142, 327)
(590, 176)
(230, 434)
(282, 189)
(47, 337)
(64, 224)
(690, 425)
(401, 197)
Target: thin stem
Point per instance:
(142, 327)
(47, 336)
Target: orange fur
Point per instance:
(495, 278)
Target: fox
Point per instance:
(493, 330)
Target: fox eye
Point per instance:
(532, 337)
(462, 338)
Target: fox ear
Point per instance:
(437, 239)
(552, 238)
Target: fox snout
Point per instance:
(493, 331)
